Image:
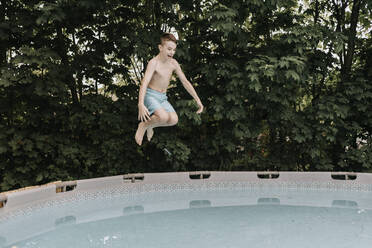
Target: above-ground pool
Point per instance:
(200, 209)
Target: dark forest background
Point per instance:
(287, 85)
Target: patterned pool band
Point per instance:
(132, 189)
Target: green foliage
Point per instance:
(273, 75)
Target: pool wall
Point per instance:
(22, 203)
(357, 181)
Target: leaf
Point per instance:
(3, 149)
(292, 74)
(283, 63)
(39, 178)
(253, 77)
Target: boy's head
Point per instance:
(168, 45)
(167, 37)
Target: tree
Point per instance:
(285, 85)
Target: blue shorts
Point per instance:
(155, 100)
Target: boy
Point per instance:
(153, 108)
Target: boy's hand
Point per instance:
(201, 107)
(143, 113)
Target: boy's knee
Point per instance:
(163, 117)
(173, 119)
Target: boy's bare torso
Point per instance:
(161, 78)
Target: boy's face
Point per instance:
(167, 49)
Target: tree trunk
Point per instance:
(3, 47)
(316, 14)
(68, 77)
(351, 40)
(157, 15)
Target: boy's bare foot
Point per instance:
(140, 132)
(150, 133)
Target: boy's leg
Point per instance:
(171, 121)
(159, 118)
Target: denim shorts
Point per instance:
(155, 100)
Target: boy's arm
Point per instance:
(188, 86)
(143, 113)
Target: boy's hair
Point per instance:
(167, 37)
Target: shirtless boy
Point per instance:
(153, 108)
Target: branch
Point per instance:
(135, 71)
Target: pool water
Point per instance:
(264, 217)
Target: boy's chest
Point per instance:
(164, 70)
